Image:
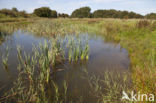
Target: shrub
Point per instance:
(8, 12)
(23, 14)
(115, 14)
(12, 13)
(43, 12)
(63, 15)
(14, 9)
(53, 14)
(83, 12)
(98, 14)
(151, 16)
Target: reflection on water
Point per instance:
(104, 56)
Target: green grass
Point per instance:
(138, 37)
(140, 40)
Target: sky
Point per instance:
(67, 6)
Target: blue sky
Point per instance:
(67, 6)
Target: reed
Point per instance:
(78, 48)
(5, 59)
(35, 70)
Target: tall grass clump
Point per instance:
(9, 28)
(36, 70)
(143, 24)
(78, 48)
(45, 27)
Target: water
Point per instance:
(104, 56)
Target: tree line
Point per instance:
(14, 12)
(83, 12)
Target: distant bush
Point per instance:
(22, 14)
(12, 13)
(151, 16)
(115, 14)
(53, 14)
(98, 14)
(45, 12)
(63, 15)
(8, 12)
(14, 9)
(83, 12)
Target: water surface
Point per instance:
(104, 56)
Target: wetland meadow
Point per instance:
(76, 60)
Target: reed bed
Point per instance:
(35, 71)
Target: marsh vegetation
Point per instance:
(76, 60)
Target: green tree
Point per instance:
(53, 14)
(63, 15)
(14, 9)
(115, 14)
(23, 14)
(98, 14)
(151, 16)
(43, 12)
(8, 12)
(83, 12)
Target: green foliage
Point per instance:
(63, 15)
(12, 13)
(98, 14)
(14, 9)
(23, 14)
(53, 14)
(151, 16)
(115, 14)
(83, 12)
(45, 12)
(8, 12)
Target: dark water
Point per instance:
(104, 56)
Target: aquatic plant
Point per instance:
(5, 59)
(36, 69)
(109, 86)
(78, 48)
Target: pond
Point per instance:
(104, 56)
